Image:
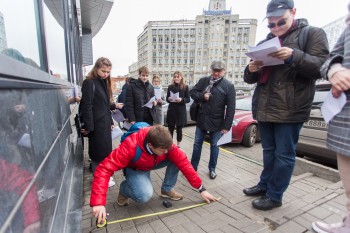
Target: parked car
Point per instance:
(313, 135)
(189, 121)
(244, 127)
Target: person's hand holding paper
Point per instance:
(254, 66)
(264, 52)
(282, 54)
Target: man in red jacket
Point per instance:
(156, 150)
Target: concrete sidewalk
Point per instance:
(307, 199)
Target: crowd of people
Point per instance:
(281, 104)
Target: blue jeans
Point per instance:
(278, 141)
(138, 185)
(197, 148)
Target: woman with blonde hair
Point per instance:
(159, 107)
(176, 115)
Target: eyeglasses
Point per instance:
(217, 70)
(280, 23)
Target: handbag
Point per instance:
(78, 119)
(194, 110)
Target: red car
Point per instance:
(244, 127)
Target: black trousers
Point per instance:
(178, 131)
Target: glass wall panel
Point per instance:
(34, 149)
(19, 35)
(55, 41)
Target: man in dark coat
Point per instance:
(138, 93)
(217, 99)
(283, 97)
(122, 95)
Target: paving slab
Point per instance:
(308, 198)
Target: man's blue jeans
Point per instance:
(197, 148)
(138, 185)
(278, 141)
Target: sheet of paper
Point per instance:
(332, 106)
(117, 115)
(116, 132)
(126, 125)
(76, 91)
(158, 93)
(225, 138)
(262, 51)
(25, 140)
(174, 96)
(150, 102)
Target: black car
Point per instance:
(313, 135)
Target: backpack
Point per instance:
(302, 38)
(133, 129)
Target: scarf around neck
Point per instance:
(211, 83)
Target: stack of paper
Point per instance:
(262, 51)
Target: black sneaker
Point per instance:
(212, 174)
(254, 191)
(265, 203)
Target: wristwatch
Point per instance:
(201, 189)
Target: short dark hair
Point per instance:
(159, 137)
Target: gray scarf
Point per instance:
(211, 83)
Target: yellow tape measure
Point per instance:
(100, 225)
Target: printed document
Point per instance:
(262, 51)
(332, 106)
(117, 115)
(225, 138)
(158, 93)
(150, 102)
(116, 132)
(174, 96)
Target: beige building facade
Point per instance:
(190, 46)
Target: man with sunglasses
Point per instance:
(283, 97)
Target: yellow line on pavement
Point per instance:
(230, 152)
(154, 214)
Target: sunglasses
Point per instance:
(280, 23)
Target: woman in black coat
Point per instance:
(176, 114)
(95, 109)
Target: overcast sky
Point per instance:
(117, 39)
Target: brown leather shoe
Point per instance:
(122, 201)
(172, 194)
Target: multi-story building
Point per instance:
(190, 46)
(333, 30)
(3, 40)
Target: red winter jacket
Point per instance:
(122, 157)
